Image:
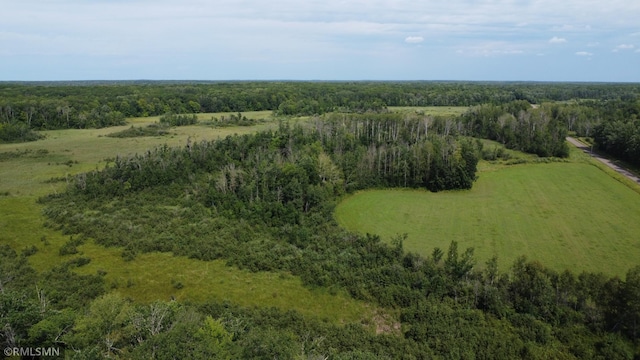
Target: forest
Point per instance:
(264, 202)
(606, 112)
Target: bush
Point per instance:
(151, 130)
(30, 251)
(495, 153)
(70, 247)
(17, 132)
(78, 262)
(233, 120)
(178, 120)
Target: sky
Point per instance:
(482, 40)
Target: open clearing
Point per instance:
(431, 110)
(566, 215)
(26, 174)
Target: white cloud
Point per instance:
(584, 53)
(572, 28)
(557, 40)
(414, 39)
(623, 47)
(490, 49)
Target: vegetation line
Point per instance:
(634, 182)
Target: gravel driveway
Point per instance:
(605, 161)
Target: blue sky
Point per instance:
(538, 40)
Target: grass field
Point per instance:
(26, 170)
(74, 151)
(566, 215)
(431, 110)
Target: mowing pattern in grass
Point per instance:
(566, 215)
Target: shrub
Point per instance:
(178, 120)
(151, 130)
(17, 132)
(71, 246)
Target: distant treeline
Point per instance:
(502, 111)
(54, 106)
(265, 201)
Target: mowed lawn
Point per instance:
(566, 215)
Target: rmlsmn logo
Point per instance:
(32, 352)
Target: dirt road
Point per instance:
(605, 161)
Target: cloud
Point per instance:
(623, 47)
(414, 39)
(557, 40)
(572, 28)
(584, 53)
(491, 49)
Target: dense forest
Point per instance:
(264, 202)
(80, 105)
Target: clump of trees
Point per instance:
(137, 131)
(17, 132)
(171, 119)
(233, 120)
(618, 133)
(613, 124)
(520, 126)
(620, 138)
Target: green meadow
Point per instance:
(566, 215)
(31, 170)
(431, 110)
